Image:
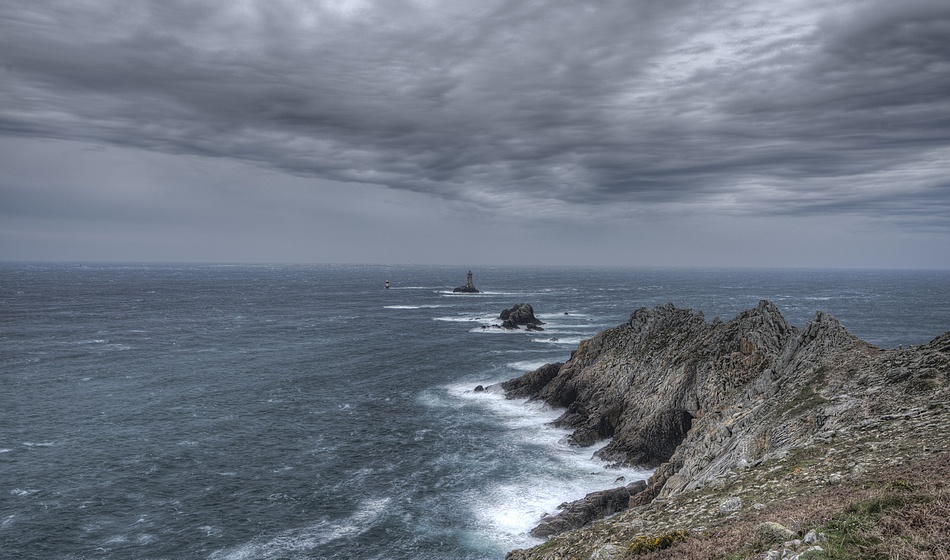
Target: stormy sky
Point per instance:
(631, 133)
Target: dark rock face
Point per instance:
(518, 315)
(642, 383)
(530, 383)
(676, 393)
(468, 288)
(595, 505)
(707, 402)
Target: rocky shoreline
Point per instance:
(732, 405)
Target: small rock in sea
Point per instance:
(479, 388)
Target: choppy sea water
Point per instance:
(255, 412)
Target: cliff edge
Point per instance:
(706, 403)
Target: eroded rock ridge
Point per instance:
(696, 399)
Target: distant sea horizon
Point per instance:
(235, 411)
(464, 266)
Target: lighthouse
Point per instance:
(468, 288)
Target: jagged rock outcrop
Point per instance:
(697, 400)
(520, 314)
(468, 288)
(530, 383)
(592, 506)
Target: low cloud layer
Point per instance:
(569, 109)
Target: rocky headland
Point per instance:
(741, 421)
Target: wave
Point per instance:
(528, 365)
(412, 306)
(304, 540)
(565, 340)
(488, 318)
(550, 470)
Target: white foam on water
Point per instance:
(555, 471)
(528, 365)
(464, 319)
(481, 293)
(412, 306)
(5, 450)
(491, 329)
(210, 531)
(118, 539)
(38, 444)
(511, 509)
(567, 340)
(303, 540)
(7, 521)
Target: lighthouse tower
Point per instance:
(468, 288)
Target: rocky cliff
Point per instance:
(700, 401)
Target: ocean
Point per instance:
(285, 412)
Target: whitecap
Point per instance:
(38, 444)
(571, 341)
(304, 540)
(210, 531)
(117, 539)
(528, 365)
(560, 472)
(509, 510)
(5, 450)
(492, 329)
(489, 318)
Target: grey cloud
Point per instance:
(800, 109)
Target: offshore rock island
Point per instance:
(468, 288)
(744, 422)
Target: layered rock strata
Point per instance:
(595, 505)
(696, 400)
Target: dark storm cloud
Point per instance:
(736, 107)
